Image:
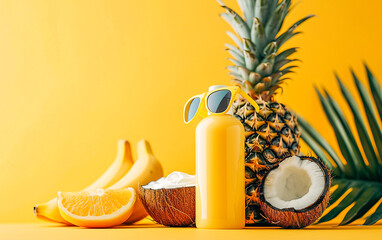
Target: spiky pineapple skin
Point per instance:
(271, 135)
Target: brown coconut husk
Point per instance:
(170, 207)
(290, 217)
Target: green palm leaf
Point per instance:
(360, 178)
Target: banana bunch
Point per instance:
(122, 173)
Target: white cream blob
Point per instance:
(173, 180)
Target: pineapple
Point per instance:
(260, 68)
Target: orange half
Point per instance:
(98, 208)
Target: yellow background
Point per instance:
(76, 76)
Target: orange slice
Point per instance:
(98, 208)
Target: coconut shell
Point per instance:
(170, 207)
(290, 217)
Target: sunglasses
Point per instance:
(218, 101)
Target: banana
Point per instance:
(145, 169)
(121, 165)
(49, 212)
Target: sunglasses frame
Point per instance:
(203, 111)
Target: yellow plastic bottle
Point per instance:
(220, 186)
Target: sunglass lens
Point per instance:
(193, 108)
(218, 101)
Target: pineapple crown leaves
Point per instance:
(258, 66)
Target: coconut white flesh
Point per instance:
(296, 183)
(173, 180)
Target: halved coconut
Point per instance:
(170, 201)
(296, 192)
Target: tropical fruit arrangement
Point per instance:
(282, 186)
(260, 68)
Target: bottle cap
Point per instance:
(214, 87)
